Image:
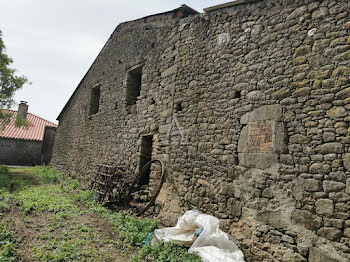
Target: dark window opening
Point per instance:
(237, 94)
(178, 107)
(116, 105)
(146, 156)
(133, 86)
(95, 100)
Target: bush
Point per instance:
(5, 177)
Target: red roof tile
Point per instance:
(34, 132)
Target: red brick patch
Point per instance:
(260, 137)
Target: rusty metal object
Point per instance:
(115, 185)
(110, 183)
(159, 187)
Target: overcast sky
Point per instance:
(53, 43)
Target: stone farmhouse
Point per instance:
(247, 104)
(26, 146)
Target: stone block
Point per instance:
(302, 51)
(297, 12)
(169, 71)
(257, 160)
(306, 219)
(298, 139)
(234, 206)
(341, 71)
(278, 138)
(347, 190)
(328, 148)
(333, 186)
(268, 193)
(317, 255)
(345, 93)
(318, 168)
(328, 137)
(281, 93)
(312, 185)
(287, 159)
(347, 232)
(320, 13)
(255, 95)
(338, 223)
(244, 119)
(243, 141)
(346, 161)
(336, 112)
(330, 233)
(324, 207)
(268, 112)
(301, 92)
(272, 218)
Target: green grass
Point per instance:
(64, 235)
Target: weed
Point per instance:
(5, 178)
(5, 199)
(169, 253)
(65, 238)
(45, 198)
(48, 174)
(8, 242)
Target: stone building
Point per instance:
(26, 146)
(248, 106)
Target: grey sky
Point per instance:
(53, 43)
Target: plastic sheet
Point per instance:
(212, 244)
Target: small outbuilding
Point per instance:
(26, 145)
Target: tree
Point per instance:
(9, 82)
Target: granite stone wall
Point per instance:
(249, 108)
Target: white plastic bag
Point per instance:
(212, 244)
(183, 232)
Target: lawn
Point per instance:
(46, 216)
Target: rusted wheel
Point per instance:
(158, 177)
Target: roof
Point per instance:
(34, 132)
(229, 4)
(183, 8)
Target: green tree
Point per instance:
(9, 82)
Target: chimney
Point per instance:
(23, 109)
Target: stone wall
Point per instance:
(47, 144)
(20, 152)
(248, 106)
